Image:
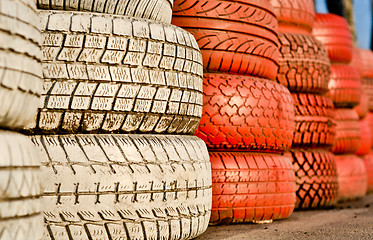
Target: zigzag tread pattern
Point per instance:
(139, 186)
(316, 178)
(304, 65)
(246, 113)
(249, 187)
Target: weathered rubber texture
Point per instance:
(20, 188)
(316, 178)
(158, 10)
(368, 163)
(304, 63)
(369, 119)
(348, 133)
(352, 177)
(357, 61)
(314, 121)
(367, 59)
(234, 36)
(363, 107)
(246, 113)
(367, 86)
(20, 67)
(333, 31)
(107, 73)
(249, 187)
(294, 15)
(125, 186)
(365, 137)
(344, 86)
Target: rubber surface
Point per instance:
(20, 188)
(344, 86)
(125, 186)
(348, 133)
(365, 137)
(367, 59)
(246, 113)
(158, 10)
(20, 67)
(316, 178)
(352, 177)
(314, 121)
(108, 73)
(249, 187)
(369, 119)
(304, 63)
(234, 36)
(294, 15)
(363, 107)
(357, 61)
(367, 86)
(368, 163)
(333, 31)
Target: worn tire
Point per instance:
(316, 178)
(352, 177)
(369, 119)
(246, 113)
(234, 36)
(134, 76)
(344, 86)
(250, 187)
(20, 189)
(348, 133)
(304, 63)
(295, 16)
(357, 61)
(131, 186)
(367, 59)
(314, 121)
(365, 138)
(20, 55)
(158, 10)
(368, 163)
(363, 107)
(367, 86)
(333, 31)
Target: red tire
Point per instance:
(344, 86)
(333, 31)
(357, 61)
(348, 132)
(352, 177)
(368, 162)
(246, 113)
(296, 16)
(249, 187)
(314, 121)
(367, 59)
(363, 107)
(316, 178)
(304, 63)
(365, 138)
(367, 86)
(234, 36)
(369, 119)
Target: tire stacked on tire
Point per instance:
(305, 71)
(345, 91)
(20, 89)
(247, 119)
(121, 94)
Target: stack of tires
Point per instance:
(248, 118)
(305, 71)
(117, 88)
(20, 89)
(345, 91)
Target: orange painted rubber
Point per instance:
(363, 107)
(344, 86)
(246, 113)
(304, 63)
(316, 178)
(365, 138)
(333, 31)
(367, 59)
(357, 61)
(249, 187)
(352, 177)
(314, 121)
(367, 86)
(368, 162)
(369, 118)
(296, 16)
(348, 132)
(234, 36)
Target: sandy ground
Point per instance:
(350, 220)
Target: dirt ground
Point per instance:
(350, 220)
